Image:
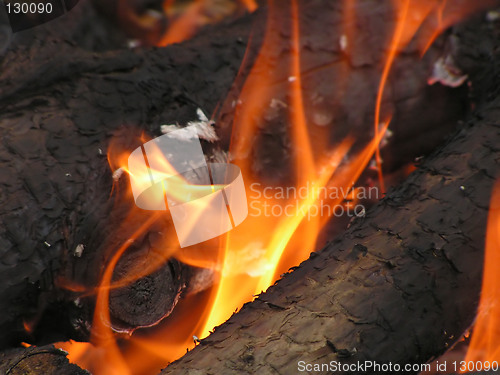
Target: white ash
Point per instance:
(203, 128)
(79, 250)
(446, 73)
(385, 138)
(201, 116)
(133, 43)
(322, 118)
(374, 165)
(493, 15)
(276, 103)
(343, 42)
(117, 174)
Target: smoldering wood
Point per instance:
(61, 107)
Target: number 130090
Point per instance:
(26, 8)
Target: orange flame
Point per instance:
(401, 27)
(422, 21)
(194, 16)
(251, 5)
(185, 26)
(485, 343)
(281, 249)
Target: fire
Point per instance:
(172, 21)
(485, 343)
(248, 259)
(185, 21)
(424, 21)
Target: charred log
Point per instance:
(149, 299)
(59, 227)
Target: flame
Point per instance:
(248, 259)
(422, 21)
(281, 249)
(401, 28)
(195, 15)
(485, 342)
(251, 5)
(185, 26)
(443, 14)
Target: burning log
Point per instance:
(402, 284)
(390, 290)
(56, 125)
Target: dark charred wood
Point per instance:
(146, 301)
(45, 360)
(59, 225)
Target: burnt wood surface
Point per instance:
(402, 284)
(65, 93)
